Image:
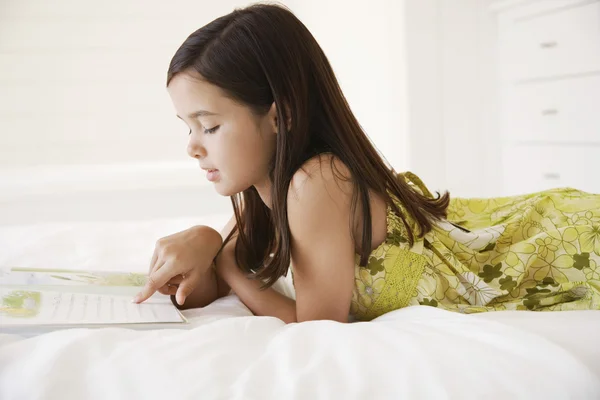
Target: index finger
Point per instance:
(157, 279)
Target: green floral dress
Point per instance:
(538, 251)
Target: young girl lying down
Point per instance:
(311, 196)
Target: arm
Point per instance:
(322, 250)
(261, 302)
(211, 286)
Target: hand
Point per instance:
(180, 261)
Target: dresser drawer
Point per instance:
(558, 111)
(533, 168)
(558, 42)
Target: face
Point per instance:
(234, 145)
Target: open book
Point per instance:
(37, 300)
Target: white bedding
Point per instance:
(415, 353)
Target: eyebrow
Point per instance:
(199, 113)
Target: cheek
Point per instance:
(243, 155)
(240, 153)
(233, 158)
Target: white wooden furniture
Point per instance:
(549, 94)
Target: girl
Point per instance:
(268, 122)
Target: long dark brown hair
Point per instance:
(263, 54)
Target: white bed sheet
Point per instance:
(416, 353)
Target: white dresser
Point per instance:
(549, 95)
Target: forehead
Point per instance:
(190, 90)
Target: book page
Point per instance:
(30, 307)
(63, 277)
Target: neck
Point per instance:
(264, 191)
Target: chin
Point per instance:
(228, 190)
(224, 190)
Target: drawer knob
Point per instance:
(550, 111)
(548, 45)
(551, 176)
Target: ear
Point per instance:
(272, 115)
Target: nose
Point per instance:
(195, 149)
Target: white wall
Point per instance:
(84, 82)
(420, 76)
(87, 130)
(364, 42)
(85, 120)
(86, 123)
(453, 140)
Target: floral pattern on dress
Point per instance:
(538, 251)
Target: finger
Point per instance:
(156, 279)
(164, 289)
(176, 280)
(186, 287)
(153, 261)
(168, 289)
(173, 282)
(159, 263)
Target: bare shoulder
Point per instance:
(323, 178)
(320, 198)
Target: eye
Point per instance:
(211, 130)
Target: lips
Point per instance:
(212, 174)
